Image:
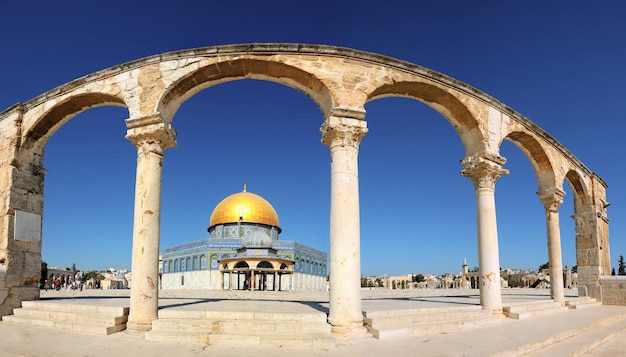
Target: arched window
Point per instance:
(176, 265)
(195, 263)
(183, 267)
(203, 262)
(242, 265)
(214, 261)
(188, 264)
(265, 264)
(169, 265)
(165, 267)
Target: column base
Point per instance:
(495, 311)
(137, 329)
(343, 333)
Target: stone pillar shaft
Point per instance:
(483, 170)
(551, 200)
(343, 136)
(151, 138)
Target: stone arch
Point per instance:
(538, 157)
(63, 111)
(579, 189)
(244, 68)
(444, 102)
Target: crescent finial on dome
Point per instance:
(244, 187)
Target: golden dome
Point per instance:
(244, 207)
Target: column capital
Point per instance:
(343, 131)
(551, 198)
(150, 133)
(483, 169)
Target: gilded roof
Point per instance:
(244, 207)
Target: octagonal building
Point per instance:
(243, 253)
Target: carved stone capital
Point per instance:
(483, 169)
(343, 131)
(150, 134)
(551, 198)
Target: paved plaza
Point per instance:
(22, 340)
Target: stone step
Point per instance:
(413, 316)
(241, 315)
(398, 323)
(82, 308)
(577, 341)
(325, 341)
(82, 318)
(582, 303)
(93, 318)
(233, 326)
(67, 325)
(532, 309)
(242, 328)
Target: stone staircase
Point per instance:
(524, 310)
(577, 340)
(103, 320)
(418, 322)
(241, 328)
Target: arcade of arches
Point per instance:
(340, 81)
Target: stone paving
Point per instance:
(19, 340)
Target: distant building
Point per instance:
(243, 253)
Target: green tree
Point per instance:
(363, 282)
(379, 282)
(418, 278)
(93, 274)
(621, 270)
(44, 272)
(474, 270)
(543, 266)
(613, 271)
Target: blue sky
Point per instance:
(559, 63)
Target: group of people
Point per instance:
(57, 284)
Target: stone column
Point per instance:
(551, 200)
(151, 137)
(343, 135)
(484, 170)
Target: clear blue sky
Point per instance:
(559, 63)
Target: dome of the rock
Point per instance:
(244, 207)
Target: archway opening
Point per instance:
(269, 141)
(89, 192)
(412, 195)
